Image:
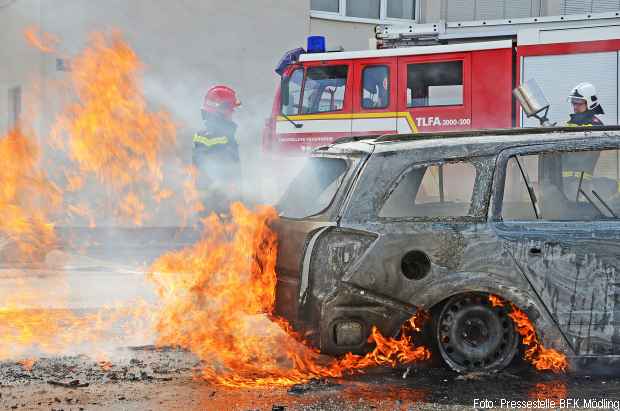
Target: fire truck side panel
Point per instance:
(558, 67)
(432, 99)
(491, 85)
(374, 106)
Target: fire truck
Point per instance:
(442, 77)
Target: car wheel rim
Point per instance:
(472, 335)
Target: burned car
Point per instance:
(375, 229)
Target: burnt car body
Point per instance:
(375, 229)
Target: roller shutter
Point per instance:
(556, 75)
(466, 10)
(589, 6)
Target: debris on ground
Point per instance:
(70, 384)
(312, 385)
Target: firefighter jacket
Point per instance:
(574, 164)
(215, 155)
(585, 119)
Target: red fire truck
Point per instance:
(448, 76)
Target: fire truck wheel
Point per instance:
(474, 336)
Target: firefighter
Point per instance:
(578, 168)
(585, 106)
(215, 151)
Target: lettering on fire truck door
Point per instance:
(434, 92)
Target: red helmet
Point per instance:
(221, 99)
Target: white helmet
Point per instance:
(586, 92)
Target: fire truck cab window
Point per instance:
(375, 90)
(294, 93)
(324, 89)
(435, 84)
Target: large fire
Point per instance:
(538, 355)
(217, 298)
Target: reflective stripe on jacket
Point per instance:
(209, 141)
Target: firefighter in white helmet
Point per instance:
(586, 106)
(578, 168)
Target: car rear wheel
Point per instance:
(472, 335)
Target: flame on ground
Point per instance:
(538, 355)
(217, 298)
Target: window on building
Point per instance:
(324, 89)
(330, 6)
(435, 84)
(376, 87)
(589, 6)
(364, 9)
(401, 9)
(15, 105)
(433, 191)
(292, 89)
(467, 10)
(368, 9)
(571, 186)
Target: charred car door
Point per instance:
(432, 237)
(556, 212)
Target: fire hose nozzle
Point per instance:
(533, 101)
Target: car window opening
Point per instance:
(571, 186)
(443, 190)
(314, 188)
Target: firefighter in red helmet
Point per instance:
(216, 152)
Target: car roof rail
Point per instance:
(488, 132)
(352, 139)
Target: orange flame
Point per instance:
(27, 363)
(542, 358)
(538, 355)
(111, 134)
(45, 42)
(26, 200)
(214, 294)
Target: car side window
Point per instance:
(568, 186)
(432, 191)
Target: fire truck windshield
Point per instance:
(324, 89)
(314, 188)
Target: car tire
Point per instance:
(474, 336)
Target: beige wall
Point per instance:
(351, 36)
